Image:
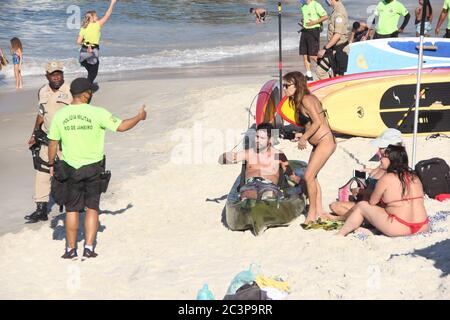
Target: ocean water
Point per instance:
(154, 33)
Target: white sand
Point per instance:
(167, 241)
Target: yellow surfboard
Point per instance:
(366, 107)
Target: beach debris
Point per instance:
(205, 294)
(251, 284)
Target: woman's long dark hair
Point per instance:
(398, 165)
(301, 86)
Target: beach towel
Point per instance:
(327, 225)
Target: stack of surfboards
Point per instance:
(397, 54)
(366, 103)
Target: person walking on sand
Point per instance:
(80, 128)
(313, 15)
(388, 13)
(51, 97)
(396, 206)
(428, 21)
(444, 13)
(311, 116)
(89, 39)
(260, 14)
(17, 58)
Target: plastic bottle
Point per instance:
(205, 294)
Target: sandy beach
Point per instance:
(160, 239)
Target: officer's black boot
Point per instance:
(40, 214)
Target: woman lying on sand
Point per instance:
(396, 207)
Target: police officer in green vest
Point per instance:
(441, 20)
(388, 13)
(80, 128)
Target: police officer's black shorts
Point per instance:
(84, 188)
(384, 36)
(447, 33)
(309, 42)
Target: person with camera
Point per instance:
(51, 97)
(80, 128)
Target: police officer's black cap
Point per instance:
(80, 85)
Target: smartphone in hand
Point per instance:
(360, 174)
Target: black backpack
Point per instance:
(435, 176)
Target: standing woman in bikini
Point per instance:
(396, 206)
(89, 39)
(310, 115)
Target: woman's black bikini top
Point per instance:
(304, 120)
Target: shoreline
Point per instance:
(158, 237)
(251, 64)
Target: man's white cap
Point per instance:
(389, 136)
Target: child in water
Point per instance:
(17, 51)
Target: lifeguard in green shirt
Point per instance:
(80, 128)
(313, 15)
(444, 13)
(388, 13)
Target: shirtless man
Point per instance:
(264, 161)
(259, 13)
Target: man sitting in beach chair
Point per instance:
(262, 165)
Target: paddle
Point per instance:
(400, 123)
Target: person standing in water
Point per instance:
(311, 116)
(89, 39)
(444, 13)
(17, 58)
(260, 14)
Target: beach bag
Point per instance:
(345, 192)
(435, 176)
(249, 291)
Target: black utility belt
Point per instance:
(311, 29)
(340, 46)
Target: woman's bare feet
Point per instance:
(310, 217)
